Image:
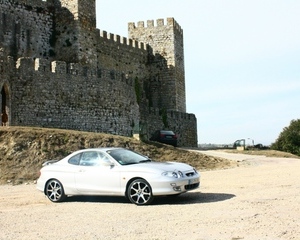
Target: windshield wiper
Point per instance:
(143, 161)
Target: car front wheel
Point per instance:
(54, 191)
(139, 192)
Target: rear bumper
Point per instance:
(169, 142)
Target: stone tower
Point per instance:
(167, 83)
(84, 12)
(75, 31)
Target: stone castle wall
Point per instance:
(58, 70)
(25, 28)
(70, 96)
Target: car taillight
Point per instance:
(175, 136)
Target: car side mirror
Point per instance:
(111, 164)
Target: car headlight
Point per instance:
(173, 174)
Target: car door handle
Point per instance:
(81, 170)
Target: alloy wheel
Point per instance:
(54, 191)
(139, 192)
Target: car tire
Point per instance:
(54, 191)
(139, 192)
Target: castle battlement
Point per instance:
(180, 115)
(45, 65)
(122, 40)
(159, 23)
(175, 115)
(59, 67)
(30, 65)
(58, 70)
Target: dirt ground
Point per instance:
(24, 149)
(260, 199)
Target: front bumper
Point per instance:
(174, 186)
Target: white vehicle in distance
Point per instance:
(115, 172)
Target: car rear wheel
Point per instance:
(54, 191)
(139, 192)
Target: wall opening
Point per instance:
(5, 106)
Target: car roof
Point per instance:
(103, 149)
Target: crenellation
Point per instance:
(140, 24)
(103, 34)
(42, 65)
(131, 25)
(59, 67)
(117, 38)
(160, 22)
(25, 64)
(98, 32)
(135, 44)
(172, 22)
(150, 23)
(141, 45)
(123, 40)
(75, 69)
(130, 42)
(111, 36)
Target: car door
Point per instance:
(96, 175)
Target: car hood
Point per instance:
(161, 166)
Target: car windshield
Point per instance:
(126, 157)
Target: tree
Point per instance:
(289, 139)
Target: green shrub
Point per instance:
(289, 139)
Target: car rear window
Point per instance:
(75, 159)
(167, 132)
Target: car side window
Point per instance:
(75, 159)
(94, 158)
(104, 159)
(89, 159)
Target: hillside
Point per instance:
(24, 149)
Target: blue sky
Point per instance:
(242, 61)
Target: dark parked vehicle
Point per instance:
(165, 136)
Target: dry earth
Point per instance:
(24, 149)
(258, 200)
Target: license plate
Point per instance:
(192, 181)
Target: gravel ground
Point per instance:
(258, 200)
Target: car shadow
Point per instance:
(186, 198)
(193, 198)
(98, 199)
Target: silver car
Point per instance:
(115, 172)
